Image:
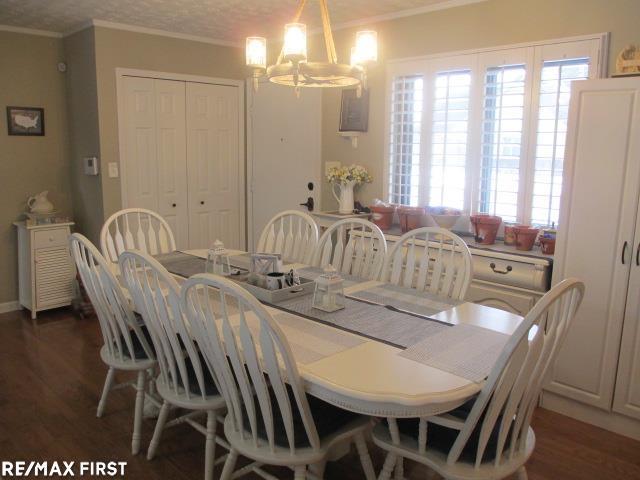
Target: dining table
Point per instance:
(388, 374)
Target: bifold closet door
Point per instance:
(155, 166)
(213, 166)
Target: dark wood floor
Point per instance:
(51, 377)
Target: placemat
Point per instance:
(407, 299)
(309, 342)
(376, 322)
(468, 351)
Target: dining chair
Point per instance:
(430, 259)
(135, 229)
(186, 379)
(291, 233)
(353, 246)
(270, 418)
(127, 344)
(490, 436)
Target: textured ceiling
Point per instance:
(229, 20)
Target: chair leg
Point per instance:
(210, 446)
(300, 472)
(137, 418)
(157, 433)
(365, 459)
(229, 465)
(387, 468)
(522, 473)
(399, 473)
(108, 384)
(318, 468)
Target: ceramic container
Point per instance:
(486, 228)
(510, 234)
(525, 237)
(410, 217)
(382, 215)
(548, 245)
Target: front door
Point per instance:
(283, 152)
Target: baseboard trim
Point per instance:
(9, 306)
(614, 422)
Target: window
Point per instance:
(485, 132)
(555, 90)
(406, 124)
(449, 139)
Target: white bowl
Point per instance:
(445, 221)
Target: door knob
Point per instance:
(201, 202)
(309, 204)
(173, 205)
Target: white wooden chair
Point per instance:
(490, 436)
(270, 418)
(127, 344)
(292, 234)
(186, 379)
(135, 229)
(432, 260)
(363, 254)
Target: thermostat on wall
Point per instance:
(90, 165)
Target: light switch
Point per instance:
(113, 170)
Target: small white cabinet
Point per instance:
(45, 268)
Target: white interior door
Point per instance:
(213, 166)
(155, 175)
(284, 152)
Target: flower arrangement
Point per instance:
(353, 173)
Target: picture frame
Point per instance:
(354, 111)
(25, 121)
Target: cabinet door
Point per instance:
(503, 298)
(627, 395)
(215, 172)
(54, 277)
(597, 220)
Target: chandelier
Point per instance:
(293, 68)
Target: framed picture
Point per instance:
(354, 111)
(27, 121)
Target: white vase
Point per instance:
(345, 196)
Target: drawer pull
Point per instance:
(501, 272)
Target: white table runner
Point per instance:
(464, 350)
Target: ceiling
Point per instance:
(225, 20)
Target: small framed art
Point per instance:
(25, 121)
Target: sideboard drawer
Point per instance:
(54, 237)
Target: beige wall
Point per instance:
(119, 48)
(82, 102)
(485, 24)
(28, 165)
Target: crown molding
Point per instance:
(30, 31)
(403, 13)
(152, 31)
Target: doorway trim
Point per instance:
(242, 159)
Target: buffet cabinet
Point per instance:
(597, 376)
(45, 269)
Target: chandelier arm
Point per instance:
(296, 17)
(328, 35)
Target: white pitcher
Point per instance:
(345, 199)
(40, 203)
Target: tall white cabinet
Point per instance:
(597, 375)
(180, 156)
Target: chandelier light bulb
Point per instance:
(295, 42)
(256, 52)
(366, 47)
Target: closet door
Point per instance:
(171, 160)
(154, 167)
(213, 166)
(595, 233)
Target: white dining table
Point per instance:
(372, 378)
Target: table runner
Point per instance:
(406, 299)
(182, 264)
(376, 322)
(468, 351)
(313, 272)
